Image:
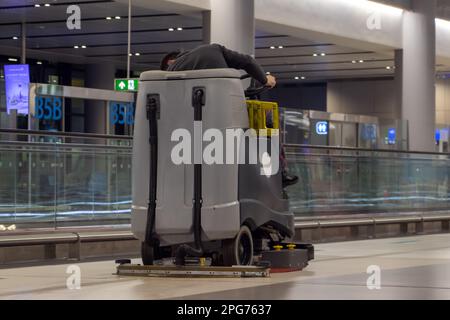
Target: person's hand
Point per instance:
(271, 81)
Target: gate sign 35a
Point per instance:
(322, 128)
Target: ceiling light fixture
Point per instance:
(37, 5)
(108, 18)
(171, 29)
(39, 62)
(296, 78)
(76, 47)
(47, 5)
(388, 67)
(303, 78)
(323, 54)
(180, 29)
(83, 47)
(12, 59)
(15, 38)
(272, 47)
(117, 17)
(354, 61)
(315, 55)
(361, 61)
(268, 73)
(137, 54)
(280, 47)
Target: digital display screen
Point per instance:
(17, 82)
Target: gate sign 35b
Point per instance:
(322, 128)
(121, 113)
(48, 108)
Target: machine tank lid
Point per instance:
(191, 74)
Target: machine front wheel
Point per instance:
(147, 253)
(239, 251)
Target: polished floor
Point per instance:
(411, 268)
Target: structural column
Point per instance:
(98, 76)
(231, 23)
(419, 60)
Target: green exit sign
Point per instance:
(126, 84)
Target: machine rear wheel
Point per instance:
(147, 253)
(239, 251)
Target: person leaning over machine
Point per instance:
(215, 56)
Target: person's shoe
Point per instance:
(289, 180)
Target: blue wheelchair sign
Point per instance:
(322, 128)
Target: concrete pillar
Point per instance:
(419, 60)
(231, 23)
(98, 76)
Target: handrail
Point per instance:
(64, 145)
(363, 149)
(64, 134)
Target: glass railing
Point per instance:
(48, 182)
(343, 181)
(55, 183)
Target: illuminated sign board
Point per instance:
(126, 84)
(322, 128)
(17, 81)
(392, 136)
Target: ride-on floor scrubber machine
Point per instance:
(188, 207)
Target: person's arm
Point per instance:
(245, 62)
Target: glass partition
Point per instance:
(334, 181)
(50, 184)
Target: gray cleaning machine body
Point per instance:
(202, 206)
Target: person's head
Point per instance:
(169, 59)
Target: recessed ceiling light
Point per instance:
(171, 29)
(76, 47)
(12, 59)
(296, 78)
(108, 18)
(280, 47)
(180, 29)
(39, 62)
(272, 47)
(354, 61)
(315, 55)
(15, 38)
(323, 54)
(137, 54)
(361, 61)
(388, 67)
(303, 78)
(37, 5)
(47, 5)
(117, 17)
(84, 47)
(268, 73)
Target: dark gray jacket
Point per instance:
(215, 56)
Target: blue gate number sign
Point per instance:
(121, 113)
(48, 108)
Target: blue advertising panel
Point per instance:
(17, 81)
